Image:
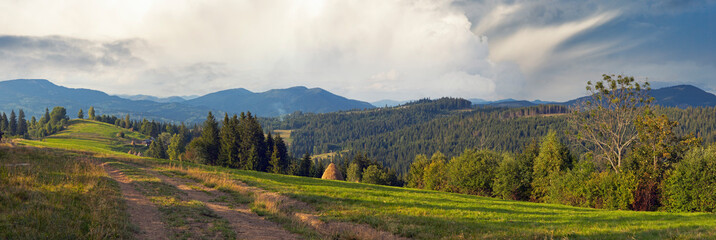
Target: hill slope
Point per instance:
(278, 101)
(411, 213)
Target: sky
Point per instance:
(367, 49)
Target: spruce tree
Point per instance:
(80, 114)
(229, 141)
(553, 158)
(210, 140)
(90, 113)
(304, 169)
(45, 118)
(156, 149)
(12, 128)
(21, 123)
(4, 123)
(282, 153)
(275, 162)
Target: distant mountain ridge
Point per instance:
(277, 102)
(157, 99)
(34, 95)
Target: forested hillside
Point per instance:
(394, 136)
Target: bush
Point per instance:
(691, 185)
(373, 175)
(573, 187)
(583, 186)
(473, 172)
(514, 176)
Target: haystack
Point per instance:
(332, 173)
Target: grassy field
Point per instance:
(425, 214)
(53, 194)
(92, 136)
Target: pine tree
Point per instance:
(229, 138)
(210, 140)
(21, 123)
(156, 149)
(80, 114)
(91, 113)
(4, 123)
(13, 124)
(281, 151)
(304, 169)
(127, 123)
(275, 162)
(45, 118)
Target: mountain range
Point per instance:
(34, 95)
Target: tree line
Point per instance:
(19, 126)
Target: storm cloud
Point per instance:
(367, 50)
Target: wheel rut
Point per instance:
(142, 212)
(246, 224)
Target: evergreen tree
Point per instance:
(282, 153)
(45, 118)
(252, 159)
(373, 175)
(176, 147)
(353, 173)
(275, 162)
(304, 169)
(229, 140)
(4, 123)
(417, 168)
(156, 149)
(127, 123)
(209, 150)
(552, 159)
(435, 174)
(91, 113)
(21, 123)
(13, 124)
(80, 114)
(318, 169)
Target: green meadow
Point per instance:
(411, 213)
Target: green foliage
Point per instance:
(435, 174)
(585, 187)
(552, 159)
(176, 147)
(514, 176)
(91, 113)
(157, 149)
(80, 114)
(416, 172)
(473, 172)
(373, 175)
(691, 185)
(305, 166)
(354, 172)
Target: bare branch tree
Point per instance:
(604, 122)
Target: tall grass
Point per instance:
(49, 194)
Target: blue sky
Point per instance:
(367, 50)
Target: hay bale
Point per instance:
(332, 173)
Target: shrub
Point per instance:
(514, 176)
(473, 172)
(691, 185)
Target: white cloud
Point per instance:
(367, 49)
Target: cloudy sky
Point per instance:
(367, 50)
